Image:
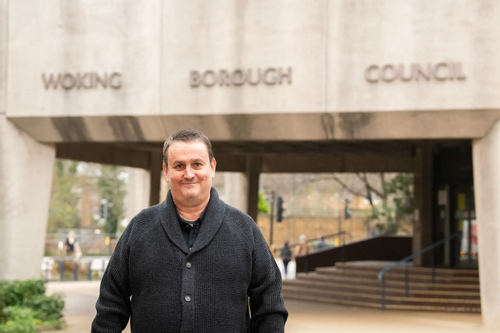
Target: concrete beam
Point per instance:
(343, 163)
(423, 194)
(310, 126)
(105, 154)
(254, 165)
(155, 173)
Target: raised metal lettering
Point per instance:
(266, 80)
(287, 75)
(213, 79)
(194, 79)
(369, 77)
(115, 81)
(238, 78)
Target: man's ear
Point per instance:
(212, 166)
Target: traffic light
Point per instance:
(279, 209)
(103, 209)
(347, 211)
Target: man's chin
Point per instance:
(190, 195)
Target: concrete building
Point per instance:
(280, 86)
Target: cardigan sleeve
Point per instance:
(268, 313)
(113, 305)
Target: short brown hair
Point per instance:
(187, 135)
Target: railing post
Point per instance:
(90, 270)
(75, 270)
(343, 249)
(383, 292)
(47, 271)
(306, 263)
(61, 269)
(407, 281)
(433, 265)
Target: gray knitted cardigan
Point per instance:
(153, 278)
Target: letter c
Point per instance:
(369, 77)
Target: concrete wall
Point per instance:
(137, 192)
(163, 50)
(26, 168)
(486, 154)
(80, 40)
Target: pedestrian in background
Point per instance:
(71, 245)
(286, 256)
(303, 247)
(321, 243)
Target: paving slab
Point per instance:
(305, 317)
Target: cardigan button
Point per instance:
(187, 298)
(188, 264)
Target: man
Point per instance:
(192, 263)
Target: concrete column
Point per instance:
(486, 159)
(155, 174)
(254, 164)
(423, 187)
(26, 168)
(236, 190)
(137, 191)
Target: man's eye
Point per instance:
(198, 164)
(178, 166)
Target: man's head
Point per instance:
(189, 166)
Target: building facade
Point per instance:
(281, 86)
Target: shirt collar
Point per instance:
(182, 220)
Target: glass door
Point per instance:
(465, 223)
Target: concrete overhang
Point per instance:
(391, 125)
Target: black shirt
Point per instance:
(190, 232)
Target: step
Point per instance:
(378, 306)
(373, 281)
(401, 291)
(377, 298)
(399, 275)
(419, 270)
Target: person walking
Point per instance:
(286, 256)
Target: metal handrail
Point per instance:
(339, 234)
(405, 262)
(76, 261)
(325, 237)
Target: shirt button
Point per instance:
(188, 264)
(189, 249)
(187, 298)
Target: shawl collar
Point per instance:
(209, 226)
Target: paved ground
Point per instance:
(305, 317)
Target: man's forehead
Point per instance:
(187, 150)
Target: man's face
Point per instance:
(189, 172)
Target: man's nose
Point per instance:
(188, 173)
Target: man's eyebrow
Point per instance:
(177, 162)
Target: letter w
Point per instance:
(51, 81)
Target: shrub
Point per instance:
(19, 320)
(24, 307)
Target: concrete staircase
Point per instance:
(356, 284)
